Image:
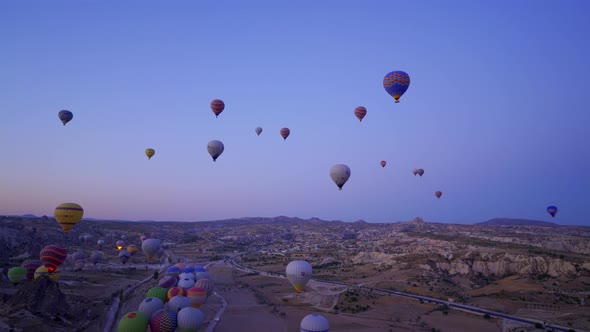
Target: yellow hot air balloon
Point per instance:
(68, 215)
(150, 153)
(42, 270)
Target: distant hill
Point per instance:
(518, 222)
(29, 216)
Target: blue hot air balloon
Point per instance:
(552, 210)
(65, 116)
(396, 83)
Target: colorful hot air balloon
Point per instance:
(175, 291)
(42, 271)
(285, 132)
(396, 83)
(215, 149)
(217, 106)
(167, 282)
(17, 274)
(158, 292)
(206, 284)
(163, 320)
(150, 305)
(178, 302)
(132, 248)
(299, 273)
(150, 247)
(124, 256)
(31, 266)
(438, 194)
(552, 210)
(258, 130)
(340, 173)
(65, 116)
(120, 244)
(150, 153)
(52, 256)
(190, 319)
(68, 215)
(197, 295)
(383, 163)
(314, 323)
(135, 321)
(360, 113)
(173, 271)
(420, 172)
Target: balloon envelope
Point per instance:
(31, 266)
(299, 273)
(285, 132)
(340, 173)
(68, 215)
(360, 112)
(158, 292)
(65, 116)
(120, 244)
(552, 210)
(420, 172)
(396, 83)
(17, 274)
(215, 149)
(52, 256)
(438, 194)
(314, 323)
(190, 319)
(383, 163)
(150, 305)
(217, 106)
(150, 247)
(150, 153)
(258, 131)
(42, 271)
(135, 321)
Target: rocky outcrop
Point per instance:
(42, 296)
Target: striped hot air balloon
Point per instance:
(190, 319)
(197, 295)
(206, 284)
(396, 83)
(158, 292)
(68, 215)
(31, 266)
(52, 256)
(360, 113)
(217, 106)
(174, 291)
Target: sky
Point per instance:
(496, 112)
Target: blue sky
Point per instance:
(496, 113)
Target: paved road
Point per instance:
(453, 305)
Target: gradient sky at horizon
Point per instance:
(496, 112)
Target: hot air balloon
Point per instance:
(314, 323)
(124, 256)
(135, 321)
(360, 113)
(180, 266)
(175, 291)
(95, 257)
(217, 106)
(132, 248)
(150, 153)
(187, 269)
(78, 255)
(79, 264)
(150, 247)
(65, 116)
(173, 271)
(150, 305)
(68, 215)
(190, 319)
(215, 149)
(163, 320)
(17, 274)
(420, 172)
(186, 283)
(258, 131)
(123, 237)
(100, 243)
(200, 268)
(158, 292)
(201, 275)
(383, 163)
(299, 273)
(52, 256)
(167, 282)
(340, 174)
(415, 172)
(552, 210)
(197, 295)
(120, 244)
(160, 252)
(42, 271)
(285, 132)
(87, 237)
(438, 194)
(31, 266)
(143, 238)
(178, 302)
(206, 284)
(396, 83)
